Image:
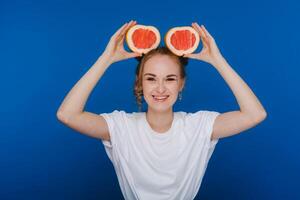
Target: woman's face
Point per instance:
(161, 82)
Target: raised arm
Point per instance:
(251, 111)
(71, 111)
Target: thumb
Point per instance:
(189, 55)
(132, 55)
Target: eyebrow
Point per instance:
(155, 75)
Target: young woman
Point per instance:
(160, 154)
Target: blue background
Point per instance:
(45, 47)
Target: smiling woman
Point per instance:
(160, 154)
(161, 72)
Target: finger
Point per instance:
(202, 34)
(131, 54)
(190, 55)
(120, 41)
(123, 29)
(200, 31)
(196, 29)
(205, 31)
(120, 29)
(120, 37)
(129, 25)
(134, 54)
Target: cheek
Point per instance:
(145, 86)
(172, 86)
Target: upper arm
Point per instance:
(234, 122)
(89, 124)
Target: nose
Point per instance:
(161, 87)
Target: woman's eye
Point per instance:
(170, 79)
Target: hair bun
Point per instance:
(184, 60)
(140, 58)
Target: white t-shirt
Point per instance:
(151, 165)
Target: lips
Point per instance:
(160, 98)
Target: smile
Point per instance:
(160, 98)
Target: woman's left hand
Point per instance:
(210, 52)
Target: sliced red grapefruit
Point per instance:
(142, 39)
(182, 40)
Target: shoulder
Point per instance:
(122, 115)
(198, 116)
(200, 113)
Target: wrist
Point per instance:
(218, 61)
(106, 59)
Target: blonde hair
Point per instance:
(138, 88)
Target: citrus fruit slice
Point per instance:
(142, 39)
(182, 40)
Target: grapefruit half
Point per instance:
(142, 39)
(182, 40)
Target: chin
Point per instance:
(160, 106)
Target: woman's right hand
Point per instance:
(115, 51)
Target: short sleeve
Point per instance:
(112, 119)
(116, 122)
(203, 122)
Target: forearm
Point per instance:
(77, 97)
(248, 102)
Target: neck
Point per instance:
(160, 121)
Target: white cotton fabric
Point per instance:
(160, 166)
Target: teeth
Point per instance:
(160, 97)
